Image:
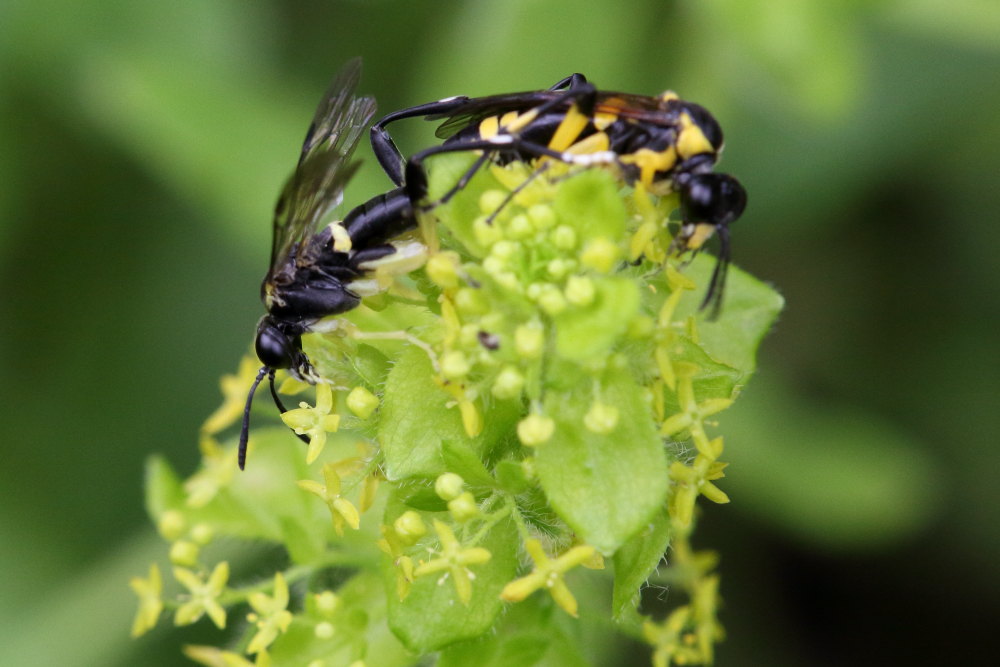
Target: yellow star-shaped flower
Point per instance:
(212, 656)
(203, 595)
(454, 561)
(150, 603)
(270, 615)
(392, 544)
(216, 473)
(341, 509)
(315, 422)
(548, 574)
(234, 392)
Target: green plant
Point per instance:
(546, 441)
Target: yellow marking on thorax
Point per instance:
(569, 129)
(510, 123)
(603, 119)
(513, 122)
(595, 143)
(488, 127)
(608, 112)
(508, 119)
(341, 239)
(691, 140)
(650, 162)
(702, 232)
(668, 96)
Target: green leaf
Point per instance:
(538, 513)
(371, 365)
(421, 497)
(432, 616)
(461, 460)
(635, 561)
(522, 650)
(605, 486)
(462, 209)
(590, 202)
(749, 310)
(532, 632)
(359, 619)
(714, 379)
(585, 333)
(414, 419)
(510, 475)
(257, 502)
(515, 642)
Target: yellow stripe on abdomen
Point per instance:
(569, 129)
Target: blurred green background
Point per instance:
(143, 144)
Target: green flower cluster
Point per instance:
(533, 401)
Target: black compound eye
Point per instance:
(717, 199)
(274, 348)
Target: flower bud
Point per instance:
(520, 227)
(454, 365)
(184, 553)
(171, 525)
(508, 384)
(580, 290)
(529, 341)
(543, 217)
(409, 526)
(600, 255)
(601, 418)
(564, 237)
(202, 533)
(442, 268)
(535, 429)
(448, 486)
(491, 200)
(463, 507)
(362, 402)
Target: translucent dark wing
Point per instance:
(478, 108)
(626, 105)
(317, 184)
(635, 107)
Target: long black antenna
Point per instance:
(245, 430)
(717, 285)
(281, 406)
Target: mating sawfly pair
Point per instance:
(318, 270)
